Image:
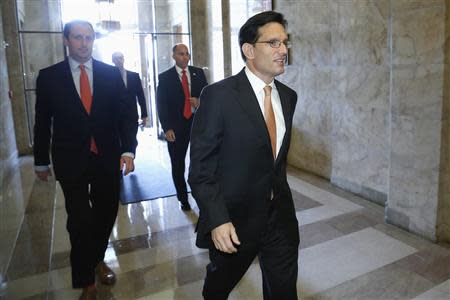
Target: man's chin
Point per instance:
(280, 71)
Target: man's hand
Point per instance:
(194, 102)
(129, 164)
(43, 175)
(144, 121)
(170, 135)
(225, 237)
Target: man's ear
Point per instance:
(248, 50)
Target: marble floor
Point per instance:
(346, 249)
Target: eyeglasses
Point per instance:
(276, 43)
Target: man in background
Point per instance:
(134, 87)
(83, 116)
(177, 99)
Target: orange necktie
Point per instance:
(187, 112)
(86, 99)
(270, 119)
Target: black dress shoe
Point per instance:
(185, 206)
(105, 274)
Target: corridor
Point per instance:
(346, 250)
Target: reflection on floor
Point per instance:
(346, 250)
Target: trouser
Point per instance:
(277, 256)
(177, 152)
(91, 206)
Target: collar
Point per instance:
(180, 69)
(256, 83)
(75, 64)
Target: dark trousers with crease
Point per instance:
(277, 259)
(177, 153)
(91, 205)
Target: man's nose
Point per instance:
(283, 49)
(85, 40)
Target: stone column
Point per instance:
(443, 218)
(8, 148)
(226, 37)
(15, 74)
(201, 33)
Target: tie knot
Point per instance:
(81, 67)
(183, 71)
(267, 90)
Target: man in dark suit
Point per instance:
(81, 109)
(239, 144)
(177, 99)
(134, 87)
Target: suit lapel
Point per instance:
(96, 85)
(285, 105)
(194, 81)
(249, 102)
(129, 80)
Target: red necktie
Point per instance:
(86, 99)
(270, 119)
(187, 113)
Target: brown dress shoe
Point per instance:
(89, 293)
(105, 274)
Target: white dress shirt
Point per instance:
(180, 73)
(188, 75)
(123, 72)
(258, 88)
(75, 69)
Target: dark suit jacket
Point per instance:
(62, 120)
(134, 87)
(232, 170)
(170, 97)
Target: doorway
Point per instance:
(144, 30)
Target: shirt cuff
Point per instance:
(128, 154)
(41, 168)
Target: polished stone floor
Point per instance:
(346, 249)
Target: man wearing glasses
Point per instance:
(239, 144)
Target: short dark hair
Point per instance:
(249, 32)
(68, 26)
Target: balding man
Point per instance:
(177, 99)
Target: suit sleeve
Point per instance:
(206, 138)
(162, 104)
(141, 97)
(43, 121)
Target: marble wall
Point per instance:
(418, 118)
(340, 68)
(371, 113)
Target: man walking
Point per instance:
(177, 99)
(239, 144)
(134, 87)
(82, 111)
